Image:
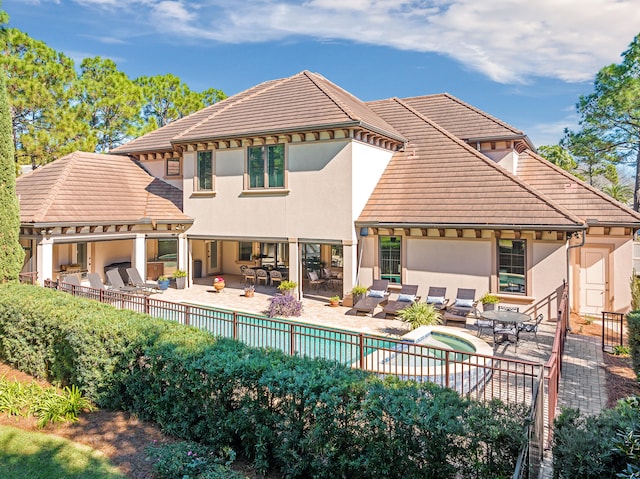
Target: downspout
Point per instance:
(364, 232)
(569, 248)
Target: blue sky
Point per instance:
(523, 61)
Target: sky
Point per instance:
(525, 62)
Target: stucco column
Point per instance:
(140, 254)
(44, 263)
(295, 266)
(184, 256)
(349, 265)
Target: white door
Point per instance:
(594, 283)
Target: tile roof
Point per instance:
(573, 194)
(90, 188)
(461, 119)
(160, 139)
(440, 180)
(303, 101)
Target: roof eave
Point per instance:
(483, 226)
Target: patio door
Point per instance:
(212, 255)
(594, 280)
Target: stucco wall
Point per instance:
(157, 169)
(107, 252)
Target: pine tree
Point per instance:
(11, 253)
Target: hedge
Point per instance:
(302, 417)
(633, 330)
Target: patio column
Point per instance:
(350, 265)
(294, 265)
(184, 256)
(44, 256)
(140, 254)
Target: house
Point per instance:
(297, 174)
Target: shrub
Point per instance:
(284, 307)
(635, 291)
(191, 460)
(589, 447)
(633, 332)
(286, 286)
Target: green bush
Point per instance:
(192, 461)
(302, 417)
(590, 447)
(633, 332)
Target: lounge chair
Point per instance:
(71, 279)
(377, 295)
(136, 281)
(464, 305)
(437, 297)
(117, 284)
(408, 295)
(95, 281)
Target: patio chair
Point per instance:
(532, 327)
(315, 281)
(95, 281)
(515, 309)
(262, 276)
(377, 295)
(408, 295)
(464, 305)
(136, 280)
(117, 284)
(481, 324)
(436, 297)
(276, 277)
(501, 332)
(249, 276)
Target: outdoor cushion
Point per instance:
(435, 299)
(407, 297)
(464, 303)
(374, 293)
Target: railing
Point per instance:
(553, 367)
(612, 330)
(28, 278)
(531, 455)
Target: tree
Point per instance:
(596, 158)
(167, 98)
(40, 86)
(11, 253)
(559, 156)
(109, 102)
(612, 112)
(619, 191)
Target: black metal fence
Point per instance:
(612, 331)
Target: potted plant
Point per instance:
(420, 314)
(286, 287)
(181, 278)
(334, 301)
(163, 283)
(249, 291)
(358, 291)
(489, 301)
(218, 283)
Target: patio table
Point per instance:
(506, 317)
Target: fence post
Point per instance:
(235, 325)
(292, 342)
(446, 370)
(187, 313)
(362, 365)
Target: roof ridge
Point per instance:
(560, 209)
(582, 183)
(269, 85)
(338, 103)
(470, 107)
(51, 196)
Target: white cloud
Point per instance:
(509, 41)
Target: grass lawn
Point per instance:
(32, 455)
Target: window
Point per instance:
(205, 171)
(390, 267)
(245, 250)
(336, 255)
(81, 255)
(266, 166)
(512, 266)
(172, 167)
